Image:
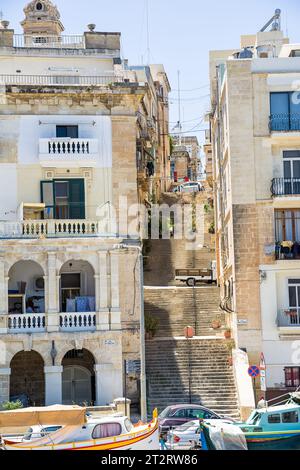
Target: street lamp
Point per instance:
(189, 333)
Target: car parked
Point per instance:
(176, 415)
(189, 187)
(183, 437)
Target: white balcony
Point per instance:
(70, 322)
(60, 152)
(37, 322)
(56, 228)
(26, 323)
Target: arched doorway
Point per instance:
(78, 379)
(27, 380)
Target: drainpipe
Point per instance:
(142, 346)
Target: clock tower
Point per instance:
(42, 18)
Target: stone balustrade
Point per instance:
(55, 152)
(60, 228)
(26, 323)
(78, 321)
(38, 322)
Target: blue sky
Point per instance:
(181, 34)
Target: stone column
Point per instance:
(53, 294)
(3, 288)
(4, 385)
(115, 318)
(53, 385)
(109, 383)
(52, 290)
(102, 280)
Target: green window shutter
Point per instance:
(76, 199)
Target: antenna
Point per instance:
(1, 15)
(275, 21)
(148, 33)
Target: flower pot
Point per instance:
(216, 324)
(227, 334)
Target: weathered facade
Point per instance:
(71, 274)
(255, 140)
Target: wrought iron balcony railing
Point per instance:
(285, 122)
(289, 317)
(285, 187)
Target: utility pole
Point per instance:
(179, 108)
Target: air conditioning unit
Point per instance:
(39, 283)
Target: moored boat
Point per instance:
(275, 427)
(79, 432)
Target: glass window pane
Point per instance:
(290, 417)
(61, 189)
(274, 419)
(279, 103)
(71, 280)
(287, 169)
(47, 192)
(292, 296)
(280, 111)
(296, 169)
(102, 431)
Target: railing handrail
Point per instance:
(44, 228)
(75, 41)
(282, 122)
(289, 316)
(56, 80)
(282, 186)
(62, 139)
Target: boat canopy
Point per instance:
(48, 415)
(222, 435)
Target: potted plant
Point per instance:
(151, 326)
(216, 324)
(227, 333)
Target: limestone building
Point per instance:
(71, 273)
(255, 138)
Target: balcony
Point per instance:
(289, 318)
(77, 322)
(73, 152)
(37, 322)
(53, 228)
(285, 187)
(48, 41)
(58, 80)
(26, 323)
(285, 122)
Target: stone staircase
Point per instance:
(172, 362)
(212, 381)
(178, 307)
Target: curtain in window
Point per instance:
(102, 431)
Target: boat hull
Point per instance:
(145, 440)
(266, 441)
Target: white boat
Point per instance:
(79, 432)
